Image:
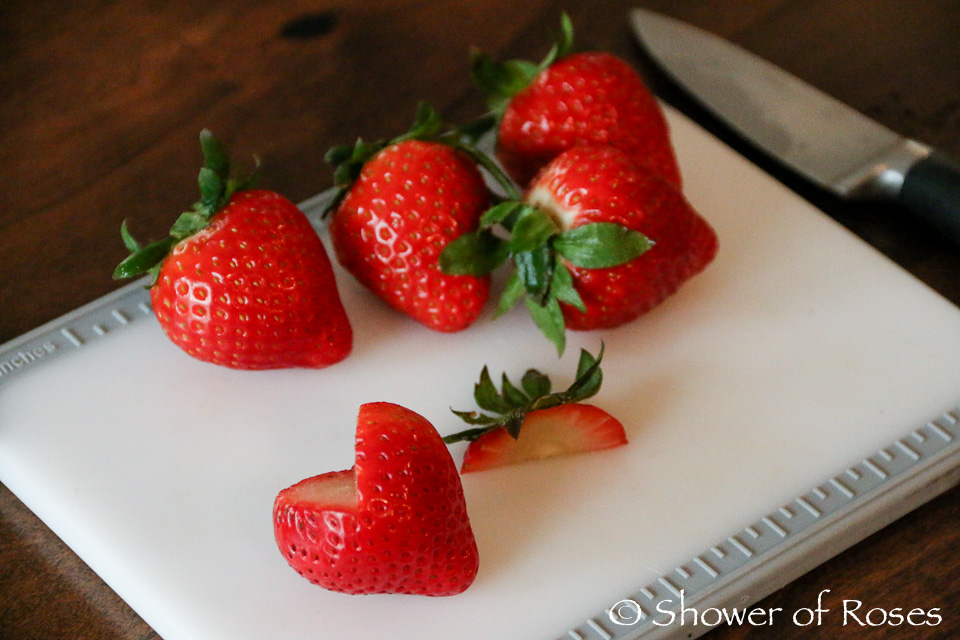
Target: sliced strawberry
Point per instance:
(558, 431)
(395, 523)
(530, 421)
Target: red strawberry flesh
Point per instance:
(394, 523)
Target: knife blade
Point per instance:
(807, 130)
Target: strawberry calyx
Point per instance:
(500, 81)
(216, 184)
(540, 247)
(428, 126)
(508, 407)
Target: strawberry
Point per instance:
(396, 522)
(243, 280)
(601, 185)
(597, 242)
(572, 99)
(530, 422)
(401, 203)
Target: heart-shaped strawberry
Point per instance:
(394, 523)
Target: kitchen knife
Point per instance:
(816, 135)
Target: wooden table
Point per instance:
(101, 103)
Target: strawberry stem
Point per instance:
(509, 187)
(216, 187)
(508, 407)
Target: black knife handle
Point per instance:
(931, 190)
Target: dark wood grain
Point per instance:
(101, 103)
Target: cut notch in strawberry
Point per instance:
(530, 421)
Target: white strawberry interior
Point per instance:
(551, 433)
(544, 199)
(565, 430)
(336, 489)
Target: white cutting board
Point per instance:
(797, 353)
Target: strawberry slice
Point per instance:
(546, 433)
(529, 422)
(394, 523)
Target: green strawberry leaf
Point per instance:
(512, 293)
(512, 423)
(487, 397)
(532, 229)
(477, 254)
(455, 140)
(515, 397)
(589, 377)
(549, 319)
(475, 417)
(348, 161)
(128, 240)
(188, 224)
(563, 42)
(427, 124)
(535, 384)
(562, 287)
(211, 187)
(510, 406)
(500, 81)
(499, 213)
(215, 156)
(467, 435)
(536, 271)
(144, 259)
(339, 154)
(600, 245)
